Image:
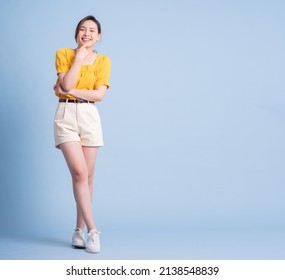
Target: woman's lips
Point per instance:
(86, 39)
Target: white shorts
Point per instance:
(77, 122)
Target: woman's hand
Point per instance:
(58, 90)
(81, 52)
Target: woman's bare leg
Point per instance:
(75, 159)
(90, 154)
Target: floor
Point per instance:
(138, 245)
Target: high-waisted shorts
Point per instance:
(77, 122)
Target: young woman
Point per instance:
(83, 80)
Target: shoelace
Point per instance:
(79, 232)
(91, 236)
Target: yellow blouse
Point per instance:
(90, 76)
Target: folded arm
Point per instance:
(96, 95)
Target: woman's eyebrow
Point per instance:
(91, 28)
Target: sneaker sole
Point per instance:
(78, 246)
(92, 251)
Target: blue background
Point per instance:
(193, 163)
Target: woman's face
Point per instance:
(87, 34)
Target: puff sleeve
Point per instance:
(62, 63)
(103, 77)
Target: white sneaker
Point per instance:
(93, 242)
(78, 238)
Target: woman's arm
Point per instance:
(96, 95)
(68, 79)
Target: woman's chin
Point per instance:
(86, 44)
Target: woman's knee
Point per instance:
(80, 174)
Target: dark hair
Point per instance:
(83, 20)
